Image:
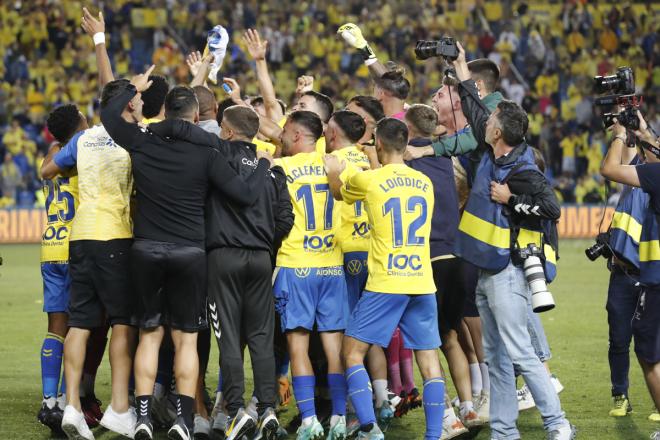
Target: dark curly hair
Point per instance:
(63, 122)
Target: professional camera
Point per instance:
(623, 85)
(601, 248)
(622, 82)
(445, 47)
(542, 299)
(626, 117)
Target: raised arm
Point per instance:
(125, 134)
(95, 28)
(612, 167)
(257, 49)
(352, 35)
(199, 68)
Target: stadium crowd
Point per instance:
(546, 58)
(337, 214)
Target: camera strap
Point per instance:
(650, 148)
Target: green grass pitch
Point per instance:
(577, 330)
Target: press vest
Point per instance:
(649, 250)
(626, 227)
(484, 233)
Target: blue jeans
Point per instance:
(622, 297)
(537, 334)
(503, 300)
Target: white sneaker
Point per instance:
(202, 428)
(73, 424)
(525, 399)
(452, 427)
(566, 432)
(121, 423)
(483, 407)
(555, 383)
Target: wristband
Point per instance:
(367, 54)
(99, 38)
(621, 138)
(370, 61)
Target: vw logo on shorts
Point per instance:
(302, 272)
(354, 267)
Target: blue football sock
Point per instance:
(219, 388)
(282, 365)
(434, 407)
(303, 391)
(51, 364)
(359, 391)
(337, 385)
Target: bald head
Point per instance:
(208, 106)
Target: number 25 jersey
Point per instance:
(61, 202)
(399, 203)
(312, 241)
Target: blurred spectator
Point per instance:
(11, 178)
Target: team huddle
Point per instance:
(336, 244)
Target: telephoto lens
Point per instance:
(542, 299)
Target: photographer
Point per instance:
(621, 246)
(499, 227)
(646, 320)
(485, 74)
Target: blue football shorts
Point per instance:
(57, 285)
(377, 315)
(311, 295)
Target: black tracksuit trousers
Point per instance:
(242, 312)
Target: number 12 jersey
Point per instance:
(399, 203)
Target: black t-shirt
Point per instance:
(649, 179)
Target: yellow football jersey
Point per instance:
(105, 183)
(61, 196)
(353, 234)
(399, 203)
(147, 121)
(264, 146)
(311, 242)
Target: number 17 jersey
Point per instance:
(399, 203)
(312, 241)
